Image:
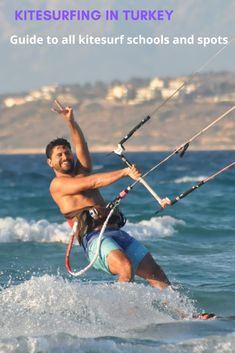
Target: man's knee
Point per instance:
(152, 272)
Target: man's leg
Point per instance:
(111, 258)
(120, 265)
(152, 272)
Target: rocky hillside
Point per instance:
(107, 112)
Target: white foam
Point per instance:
(64, 343)
(50, 314)
(19, 229)
(189, 179)
(98, 166)
(50, 305)
(211, 344)
(157, 226)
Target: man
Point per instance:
(76, 192)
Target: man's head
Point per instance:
(60, 156)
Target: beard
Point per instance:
(68, 169)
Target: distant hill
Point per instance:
(108, 111)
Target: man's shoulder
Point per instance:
(58, 181)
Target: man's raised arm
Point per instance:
(77, 136)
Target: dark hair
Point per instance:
(59, 141)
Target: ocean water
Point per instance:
(44, 309)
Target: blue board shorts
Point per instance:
(113, 239)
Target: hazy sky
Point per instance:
(28, 67)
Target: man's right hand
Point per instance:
(133, 172)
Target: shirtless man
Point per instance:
(75, 188)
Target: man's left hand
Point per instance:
(165, 202)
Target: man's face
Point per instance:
(61, 160)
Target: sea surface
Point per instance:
(44, 309)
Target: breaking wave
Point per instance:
(19, 229)
(189, 179)
(50, 314)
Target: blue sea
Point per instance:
(44, 309)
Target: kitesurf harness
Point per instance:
(92, 218)
(87, 219)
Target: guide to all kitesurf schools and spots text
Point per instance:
(106, 15)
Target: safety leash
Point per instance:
(99, 240)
